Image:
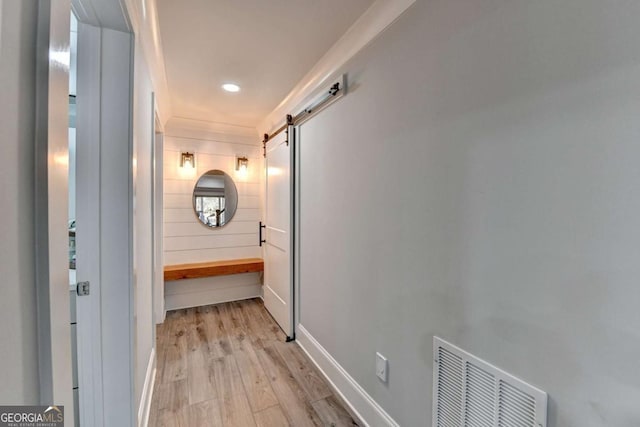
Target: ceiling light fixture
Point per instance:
(230, 87)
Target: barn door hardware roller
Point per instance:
(289, 123)
(284, 127)
(335, 92)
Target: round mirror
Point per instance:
(215, 198)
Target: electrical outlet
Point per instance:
(381, 367)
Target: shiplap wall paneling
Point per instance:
(186, 240)
(212, 290)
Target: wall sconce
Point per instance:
(242, 163)
(187, 160)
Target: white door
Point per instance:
(87, 218)
(278, 289)
(103, 228)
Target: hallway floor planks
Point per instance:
(228, 365)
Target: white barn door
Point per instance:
(278, 277)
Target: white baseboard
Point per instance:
(359, 401)
(147, 391)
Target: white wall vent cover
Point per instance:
(468, 392)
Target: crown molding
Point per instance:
(379, 16)
(143, 16)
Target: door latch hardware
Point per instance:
(261, 239)
(83, 289)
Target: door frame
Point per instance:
(105, 176)
(51, 204)
(157, 213)
(295, 215)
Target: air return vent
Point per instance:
(468, 392)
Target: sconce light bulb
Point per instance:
(242, 164)
(187, 160)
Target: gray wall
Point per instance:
(487, 160)
(18, 335)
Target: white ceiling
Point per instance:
(265, 46)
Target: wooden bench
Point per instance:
(215, 268)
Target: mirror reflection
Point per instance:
(215, 198)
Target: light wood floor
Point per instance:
(228, 365)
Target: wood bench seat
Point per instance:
(215, 268)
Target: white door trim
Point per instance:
(295, 225)
(157, 156)
(51, 204)
(147, 391)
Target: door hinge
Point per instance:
(83, 288)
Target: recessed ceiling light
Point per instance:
(230, 87)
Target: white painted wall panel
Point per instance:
(218, 146)
(18, 314)
(195, 228)
(200, 130)
(484, 168)
(188, 243)
(183, 186)
(182, 200)
(185, 215)
(213, 295)
(206, 255)
(206, 284)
